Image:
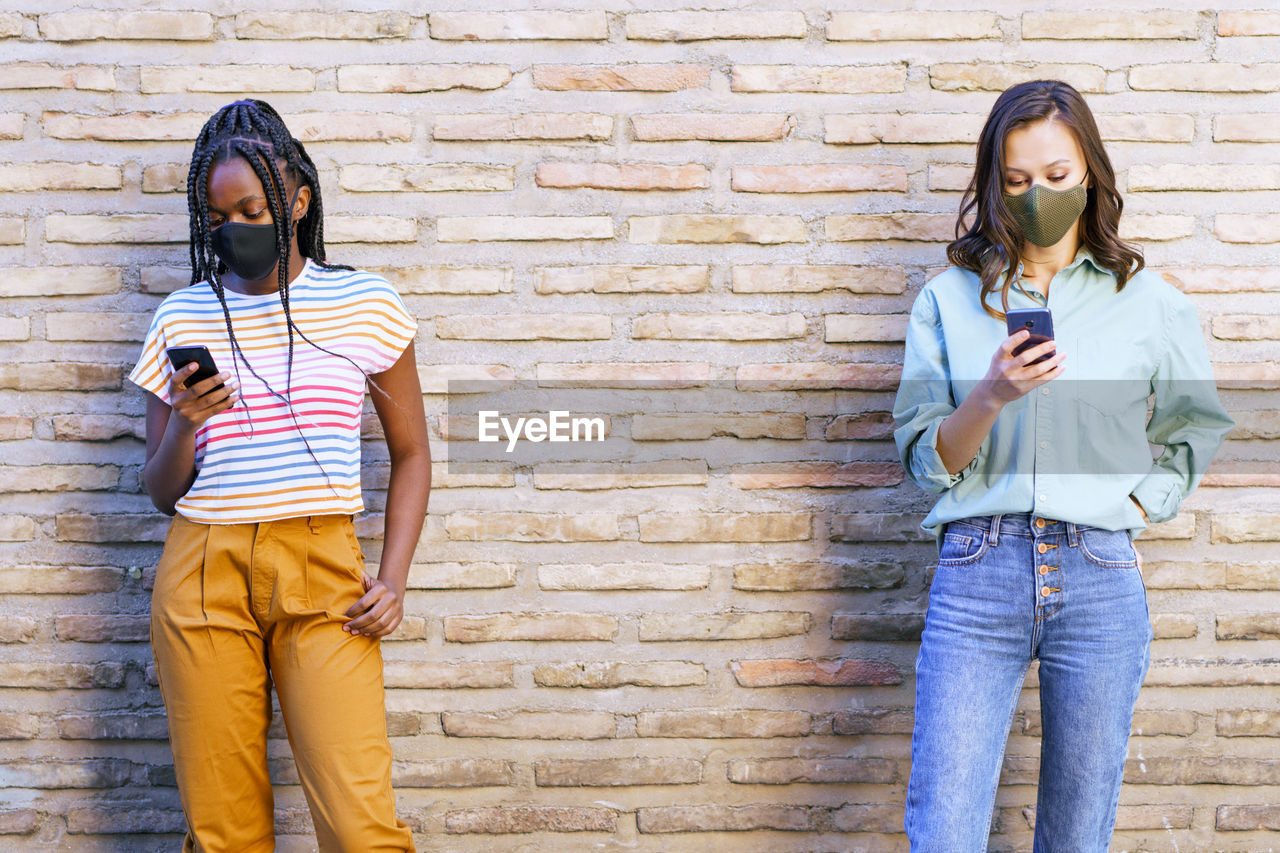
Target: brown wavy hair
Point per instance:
(990, 244)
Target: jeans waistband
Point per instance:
(1021, 524)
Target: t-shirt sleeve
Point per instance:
(152, 371)
(389, 328)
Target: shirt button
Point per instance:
(1044, 444)
(1044, 590)
(1044, 392)
(1043, 498)
(1042, 547)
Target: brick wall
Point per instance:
(718, 658)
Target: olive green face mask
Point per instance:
(1045, 214)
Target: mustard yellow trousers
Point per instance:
(237, 607)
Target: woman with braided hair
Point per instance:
(262, 579)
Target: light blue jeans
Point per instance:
(1009, 590)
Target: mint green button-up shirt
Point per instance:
(1077, 447)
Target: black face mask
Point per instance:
(249, 251)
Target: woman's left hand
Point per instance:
(378, 611)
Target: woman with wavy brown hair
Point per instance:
(1041, 457)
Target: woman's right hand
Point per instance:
(1011, 376)
(197, 404)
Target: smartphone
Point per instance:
(180, 357)
(1037, 321)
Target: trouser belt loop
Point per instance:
(993, 534)
(1073, 535)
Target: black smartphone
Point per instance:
(1037, 321)
(180, 357)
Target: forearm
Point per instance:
(407, 494)
(171, 470)
(963, 431)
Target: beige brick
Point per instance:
(164, 178)
(123, 127)
(724, 527)
(519, 26)
(1173, 626)
(676, 627)
(96, 326)
(446, 378)
(912, 26)
(11, 125)
(85, 773)
(1246, 722)
(1247, 227)
(820, 475)
(718, 818)
(928, 227)
(1252, 575)
(1095, 25)
(42, 75)
(164, 280)
(762, 278)
(421, 78)
(616, 772)
(712, 127)
(877, 527)
(487, 229)
(18, 629)
(1246, 817)
(877, 627)
(827, 769)
(1220, 279)
(523, 819)
(608, 674)
(19, 726)
(1146, 127)
(455, 280)
(225, 78)
(127, 725)
(867, 818)
(800, 376)
(597, 476)
(625, 374)
(524, 327)
(531, 527)
(17, 528)
(369, 229)
(1206, 77)
(1203, 177)
(453, 773)
(531, 725)
(665, 77)
(10, 25)
(155, 26)
(716, 723)
(42, 177)
(877, 721)
(468, 575)
(1256, 424)
(443, 675)
(996, 77)
(109, 817)
(350, 127)
(322, 25)
(719, 327)
(848, 328)
(119, 527)
(621, 279)
(62, 580)
(1247, 127)
(427, 177)
(624, 176)
(1201, 770)
(911, 128)
(531, 126)
(788, 577)
(829, 79)
(1156, 226)
(118, 228)
(818, 673)
(1246, 327)
(826, 178)
(700, 26)
(695, 426)
(15, 328)
(1232, 23)
(58, 478)
(1247, 374)
(1247, 626)
(60, 376)
(14, 427)
(13, 231)
(560, 576)
(716, 228)
(98, 628)
(61, 676)
(501, 627)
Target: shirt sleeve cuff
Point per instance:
(929, 471)
(1159, 494)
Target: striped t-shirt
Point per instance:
(281, 452)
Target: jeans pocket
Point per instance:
(1110, 549)
(959, 549)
